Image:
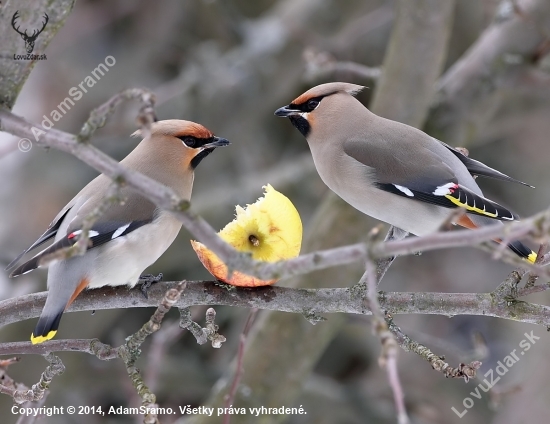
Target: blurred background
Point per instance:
(228, 65)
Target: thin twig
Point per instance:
(465, 371)
(322, 64)
(9, 386)
(130, 352)
(388, 354)
(30, 419)
(211, 329)
(38, 390)
(196, 330)
(202, 335)
(92, 346)
(533, 289)
(98, 116)
(533, 277)
(383, 264)
(507, 290)
(230, 397)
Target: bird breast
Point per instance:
(123, 260)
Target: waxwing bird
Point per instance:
(129, 236)
(389, 170)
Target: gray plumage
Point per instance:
(128, 237)
(386, 169)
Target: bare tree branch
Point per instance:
(14, 73)
(541, 260)
(419, 40)
(38, 390)
(466, 371)
(98, 117)
(322, 64)
(230, 397)
(130, 352)
(468, 90)
(347, 300)
(388, 354)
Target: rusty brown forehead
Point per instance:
(195, 130)
(310, 94)
(302, 98)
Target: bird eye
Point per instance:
(190, 141)
(312, 104)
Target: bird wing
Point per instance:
(427, 178)
(118, 220)
(50, 232)
(478, 168)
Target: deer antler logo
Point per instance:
(29, 39)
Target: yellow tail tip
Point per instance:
(532, 257)
(42, 339)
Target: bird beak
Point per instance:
(218, 142)
(286, 111)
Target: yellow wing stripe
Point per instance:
(470, 208)
(42, 339)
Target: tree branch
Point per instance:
(98, 117)
(468, 90)
(388, 354)
(346, 300)
(466, 371)
(322, 64)
(37, 391)
(413, 61)
(14, 73)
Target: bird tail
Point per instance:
(46, 328)
(59, 298)
(523, 251)
(516, 246)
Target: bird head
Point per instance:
(196, 140)
(318, 104)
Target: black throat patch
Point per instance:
(300, 123)
(200, 156)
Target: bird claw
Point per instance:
(147, 281)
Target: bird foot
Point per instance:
(147, 281)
